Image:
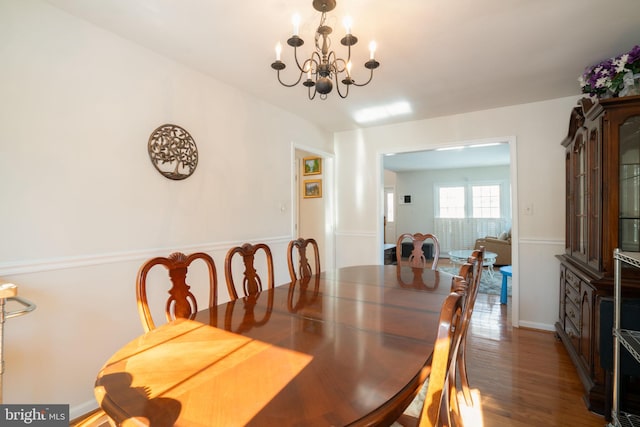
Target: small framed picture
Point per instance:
(312, 165)
(312, 188)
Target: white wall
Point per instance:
(537, 129)
(82, 205)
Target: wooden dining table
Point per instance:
(347, 347)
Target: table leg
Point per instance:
(490, 270)
(503, 291)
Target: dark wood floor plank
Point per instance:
(524, 376)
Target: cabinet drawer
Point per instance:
(572, 314)
(572, 294)
(572, 281)
(572, 332)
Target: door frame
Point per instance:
(513, 177)
(328, 193)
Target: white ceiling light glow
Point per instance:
(382, 112)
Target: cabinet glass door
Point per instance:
(629, 215)
(579, 233)
(594, 197)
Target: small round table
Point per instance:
(462, 255)
(506, 272)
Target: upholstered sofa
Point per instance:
(501, 245)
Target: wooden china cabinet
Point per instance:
(602, 161)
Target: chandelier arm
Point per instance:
(334, 61)
(338, 87)
(316, 61)
(366, 83)
(292, 84)
(295, 55)
(314, 92)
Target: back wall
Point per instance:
(418, 217)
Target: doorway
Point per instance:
(389, 215)
(451, 157)
(312, 200)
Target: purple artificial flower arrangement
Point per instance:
(617, 76)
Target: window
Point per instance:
(468, 201)
(390, 206)
(486, 201)
(451, 202)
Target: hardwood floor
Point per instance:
(524, 377)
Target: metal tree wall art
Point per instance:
(173, 152)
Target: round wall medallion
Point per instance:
(173, 152)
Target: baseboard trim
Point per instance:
(536, 325)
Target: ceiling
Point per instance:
(468, 156)
(443, 57)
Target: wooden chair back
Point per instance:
(181, 302)
(476, 259)
(440, 396)
(251, 280)
(304, 268)
(417, 258)
(466, 271)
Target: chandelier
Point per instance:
(324, 67)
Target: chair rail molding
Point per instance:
(367, 234)
(69, 262)
(541, 241)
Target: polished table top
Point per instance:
(345, 349)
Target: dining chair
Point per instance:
(417, 257)
(476, 259)
(436, 403)
(466, 271)
(304, 267)
(181, 302)
(251, 281)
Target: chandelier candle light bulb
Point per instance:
(278, 51)
(323, 67)
(295, 19)
(347, 24)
